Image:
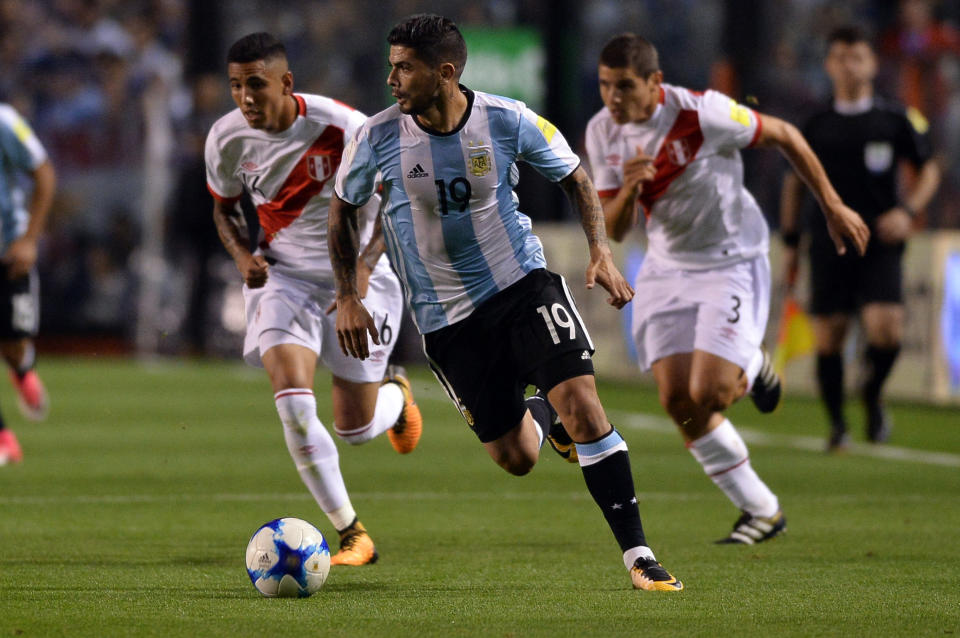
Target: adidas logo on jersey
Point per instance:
(417, 171)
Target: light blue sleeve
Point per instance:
(542, 146)
(357, 174)
(18, 142)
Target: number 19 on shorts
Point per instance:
(557, 316)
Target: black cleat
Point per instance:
(839, 441)
(750, 529)
(879, 424)
(558, 438)
(766, 388)
(562, 444)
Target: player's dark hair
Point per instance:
(435, 39)
(256, 46)
(628, 50)
(849, 34)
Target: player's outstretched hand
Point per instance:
(602, 270)
(353, 324)
(843, 223)
(254, 271)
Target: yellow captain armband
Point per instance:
(917, 120)
(22, 130)
(546, 128)
(739, 113)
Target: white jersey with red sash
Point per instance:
(699, 215)
(289, 176)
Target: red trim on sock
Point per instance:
(732, 467)
(290, 393)
(346, 433)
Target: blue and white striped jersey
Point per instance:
(452, 227)
(20, 153)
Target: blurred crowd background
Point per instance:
(122, 93)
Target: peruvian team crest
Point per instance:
(320, 167)
(480, 163)
(678, 152)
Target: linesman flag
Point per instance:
(794, 335)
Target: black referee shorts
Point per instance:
(528, 334)
(845, 283)
(19, 305)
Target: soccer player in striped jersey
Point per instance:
(22, 221)
(283, 148)
(493, 318)
(703, 291)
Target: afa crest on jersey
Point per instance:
(480, 164)
(321, 167)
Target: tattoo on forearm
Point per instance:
(586, 203)
(342, 242)
(376, 246)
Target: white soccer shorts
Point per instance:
(290, 310)
(722, 311)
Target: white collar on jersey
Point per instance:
(644, 125)
(853, 107)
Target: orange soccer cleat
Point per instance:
(405, 433)
(649, 575)
(356, 547)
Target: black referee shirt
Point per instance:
(860, 153)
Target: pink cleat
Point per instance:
(31, 395)
(10, 451)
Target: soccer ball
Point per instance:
(288, 557)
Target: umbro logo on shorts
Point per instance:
(417, 171)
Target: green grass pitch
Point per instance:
(132, 509)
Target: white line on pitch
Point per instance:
(655, 423)
(133, 499)
(304, 497)
(798, 442)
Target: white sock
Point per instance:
(342, 517)
(723, 455)
(314, 453)
(753, 368)
(385, 415)
(640, 551)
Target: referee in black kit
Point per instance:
(861, 140)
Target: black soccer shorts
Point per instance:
(528, 334)
(844, 283)
(19, 306)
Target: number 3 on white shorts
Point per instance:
(563, 320)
